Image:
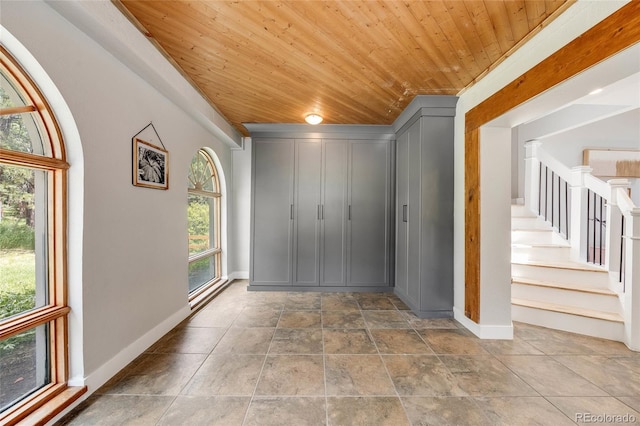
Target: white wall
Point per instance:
(620, 131)
(241, 208)
(133, 279)
(576, 20)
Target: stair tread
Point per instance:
(541, 245)
(561, 265)
(520, 229)
(572, 310)
(564, 286)
(519, 210)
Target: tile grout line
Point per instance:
(384, 365)
(264, 362)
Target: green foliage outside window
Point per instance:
(17, 217)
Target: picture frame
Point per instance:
(150, 165)
(613, 163)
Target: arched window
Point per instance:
(33, 302)
(205, 252)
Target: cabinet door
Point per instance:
(436, 249)
(369, 203)
(307, 210)
(402, 197)
(271, 212)
(333, 245)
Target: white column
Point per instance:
(531, 175)
(632, 279)
(495, 247)
(578, 235)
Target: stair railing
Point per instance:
(595, 213)
(553, 200)
(603, 224)
(627, 216)
(547, 191)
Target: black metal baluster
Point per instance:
(588, 220)
(553, 198)
(601, 226)
(540, 190)
(622, 247)
(566, 208)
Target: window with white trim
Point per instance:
(204, 199)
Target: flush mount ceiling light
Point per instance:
(313, 119)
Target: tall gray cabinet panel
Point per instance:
(402, 212)
(334, 210)
(368, 238)
(424, 207)
(322, 211)
(271, 213)
(307, 211)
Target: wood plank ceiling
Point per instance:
(353, 62)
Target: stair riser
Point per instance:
(518, 210)
(559, 254)
(579, 299)
(566, 322)
(524, 223)
(536, 237)
(570, 276)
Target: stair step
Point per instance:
(541, 245)
(563, 272)
(574, 266)
(519, 210)
(564, 286)
(542, 254)
(570, 310)
(524, 223)
(570, 295)
(536, 236)
(612, 330)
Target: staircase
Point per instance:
(550, 290)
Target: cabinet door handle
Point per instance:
(349, 211)
(404, 212)
(318, 211)
(291, 211)
(323, 212)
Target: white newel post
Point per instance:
(614, 226)
(578, 237)
(531, 175)
(632, 279)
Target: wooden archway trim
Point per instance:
(612, 35)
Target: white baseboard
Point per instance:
(238, 275)
(499, 332)
(100, 376)
(109, 369)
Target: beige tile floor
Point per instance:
(278, 358)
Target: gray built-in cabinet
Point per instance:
(358, 207)
(322, 209)
(424, 206)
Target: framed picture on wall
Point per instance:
(624, 163)
(150, 165)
